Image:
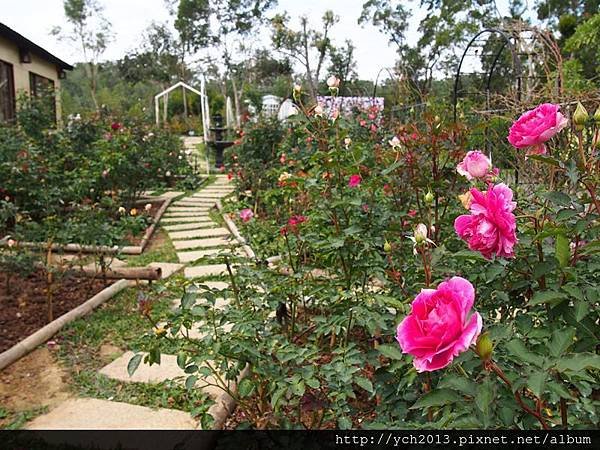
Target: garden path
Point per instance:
(201, 244)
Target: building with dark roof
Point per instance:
(26, 67)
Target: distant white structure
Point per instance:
(287, 109)
(203, 104)
(270, 105)
(229, 115)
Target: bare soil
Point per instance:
(24, 309)
(33, 381)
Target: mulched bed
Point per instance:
(24, 311)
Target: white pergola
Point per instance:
(203, 104)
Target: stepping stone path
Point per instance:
(201, 244)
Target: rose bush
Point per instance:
(319, 329)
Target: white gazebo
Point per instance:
(203, 104)
(270, 105)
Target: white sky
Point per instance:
(35, 18)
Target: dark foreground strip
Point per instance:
(301, 440)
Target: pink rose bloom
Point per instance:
(440, 326)
(246, 214)
(354, 180)
(491, 227)
(535, 127)
(475, 165)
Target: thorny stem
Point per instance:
(491, 366)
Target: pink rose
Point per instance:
(475, 165)
(354, 180)
(439, 326)
(535, 127)
(491, 227)
(246, 214)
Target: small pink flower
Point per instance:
(412, 212)
(282, 158)
(440, 325)
(333, 82)
(474, 165)
(373, 128)
(354, 180)
(362, 122)
(491, 228)
(535, 127)
(246, 215)
(365, 208)
(115, 126)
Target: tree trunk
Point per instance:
(236, 101)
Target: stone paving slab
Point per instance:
(145, 373)
(205, 271)
(209, 195)
(190, 208)
(220, 285)
(203, 232)
(171, 194)
(95, 414)
(196, 203)
(191, 225)
(199, 214)
(220, 303)
(200, 243)
(172, 220)
(191, 256)
(195, 333)
(156, 373)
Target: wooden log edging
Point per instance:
(79, 248)
(31, 342)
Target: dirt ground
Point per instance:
(24, 309)
(33, 381)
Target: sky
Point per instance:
(35, 18)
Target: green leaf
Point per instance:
(581, 310)
(245, 387)
(181, 359)
(493, 271)
(344, 423)
(562, 251)
(578, 362)
(365, 384)
(134, 363)
(190, 382)
(484, 398)
(313, 383)
(545, 159)
(552, 297)
(438, 397)
(561, 340)
(277, 396)
(518, 349)
(390, 351)
(459, 384)
(392, 167)
(558, 198)
(536, 382)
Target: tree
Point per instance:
(90, 31)
(564, 16)
(343, 64)
(220, 23)
(307, 46)
(156, 60)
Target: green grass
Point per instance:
(14, 420)
(163, 253)
(119, 323)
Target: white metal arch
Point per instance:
(203, 104)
